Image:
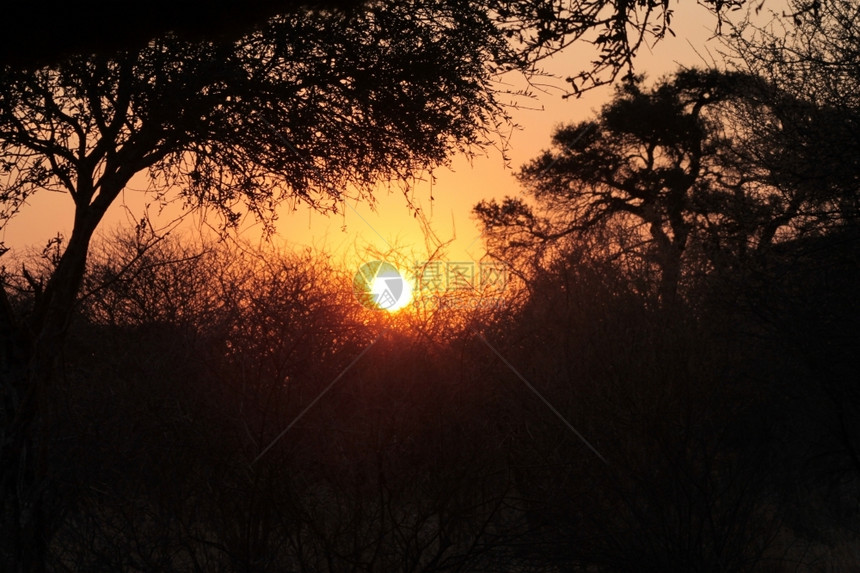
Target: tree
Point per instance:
(636, 166)
(363, 97)
(812, 52)
(665, 168)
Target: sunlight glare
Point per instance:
(382, 292)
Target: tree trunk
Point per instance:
(32, 357)
(670, 276)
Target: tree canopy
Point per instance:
(811, 52)
(703, 158)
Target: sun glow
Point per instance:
(379, 285)
(384, 291)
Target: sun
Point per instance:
(383, 291)
(379, 285)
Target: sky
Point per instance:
(360, 231)
(456, 190)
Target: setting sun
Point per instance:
(383, 289)
(379, 285)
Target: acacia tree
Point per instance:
(636, 166)
(664, 168)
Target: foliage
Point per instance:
(304, 107)
(686, 172)
(429, 453)
(810, 52)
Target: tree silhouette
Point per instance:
(684, 163)
(638, 164)
(804, 294)
(811, 52)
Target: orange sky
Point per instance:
(455, 190)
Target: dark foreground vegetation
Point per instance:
(728, 422)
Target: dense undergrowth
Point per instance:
(717, 435)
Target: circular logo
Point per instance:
(379, 285)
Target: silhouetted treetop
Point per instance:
(706, 158)
(303, 105)
(49, 32)
(812, 52)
